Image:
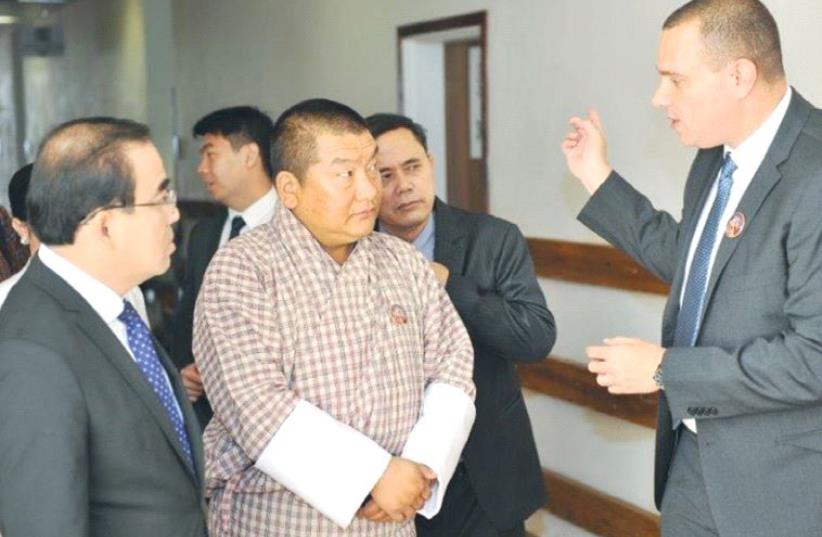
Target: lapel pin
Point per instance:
(397, 314)
(735, 225)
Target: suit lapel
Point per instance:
(190, 419)
(449, 238)
(99, 334)
(766, 177)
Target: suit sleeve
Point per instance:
(772, 373)
(44, 467)
(625, 218)
(512, 320)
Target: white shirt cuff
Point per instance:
(330, 465)
(439, 436)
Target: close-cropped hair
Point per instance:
(240, 125)
(81, 166)
(18, 188)
(379, 124)
(294, 142)
(733, 29)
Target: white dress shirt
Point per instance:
(102, 298)
(134, 295)
(747, 157)
(259, 212)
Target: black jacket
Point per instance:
(202, 245)
(494, 288)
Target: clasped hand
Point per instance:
(401, 491)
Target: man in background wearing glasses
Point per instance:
(97, 437)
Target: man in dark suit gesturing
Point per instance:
(96, 435)
(484, 264)
(236, 169)
(739, 447)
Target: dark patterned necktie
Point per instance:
(237, 223)
(690, 313)
(145, 355)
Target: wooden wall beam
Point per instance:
(573, 383)
(592, 264)
(595, 511)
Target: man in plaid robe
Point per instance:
(338, 369)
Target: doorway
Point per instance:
(443, 86)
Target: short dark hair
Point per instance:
(379, 124)
(294, 142)
(240, 125)
(81, 166)
(18, 188)
(734, 29)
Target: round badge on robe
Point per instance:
(735, 225)
(397, 314)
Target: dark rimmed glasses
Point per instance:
(169, 197)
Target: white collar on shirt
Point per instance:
(102, 298)
(749, 154)
(258, 212)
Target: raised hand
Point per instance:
(586, 151)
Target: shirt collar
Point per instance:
(259, 212)
(750, 153)
(308, 249)
(102, 298)
(425, 240)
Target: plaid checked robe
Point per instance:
(277, 321)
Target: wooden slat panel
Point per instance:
(574, 383)
(595, 511)
(592, 264)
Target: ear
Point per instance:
(288, 189)
(21, 229)
(250, 154)
(430, 159)
(101, 225)
(745, 75)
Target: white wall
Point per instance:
(546, 61)
(424, 99)
(102, 72)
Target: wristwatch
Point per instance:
(658, 377)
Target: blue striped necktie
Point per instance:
(690, 313)
(145, 356)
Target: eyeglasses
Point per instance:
(169, 197)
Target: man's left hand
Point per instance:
(625, 365)
(441, 272)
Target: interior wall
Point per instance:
(546, 61)
(8, 119)
(424, 99)
(101, 72)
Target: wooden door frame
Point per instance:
(477, 18)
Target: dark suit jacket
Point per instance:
(754, 378)
(202, 244)
(494, 288)
(86, 447)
